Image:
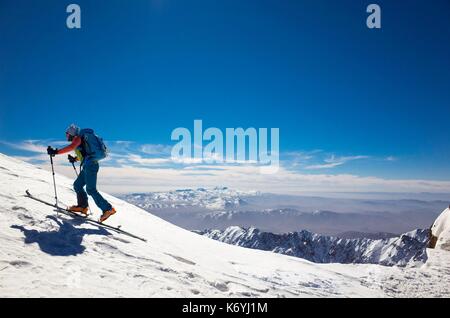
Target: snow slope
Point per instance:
(408, 249)
(44, 255)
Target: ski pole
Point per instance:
(54, 182)
(76, 172)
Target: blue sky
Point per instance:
(347, 100)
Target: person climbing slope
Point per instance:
(90, 149)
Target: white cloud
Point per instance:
(123, 142)
(134, 171)
(334, 161)
(148, 161)
(156, 149)
(26, 145)
(36, 146)
(187, 160)
(126, 179)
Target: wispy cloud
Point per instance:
(147, 161)
(156, 149)
(32, 151)
(334, 161)
(126, 179)
(123, 152)
(26, 145)
(129, 168)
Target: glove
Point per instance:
(52, 151)
(72, 159)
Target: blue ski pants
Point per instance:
(88, 178)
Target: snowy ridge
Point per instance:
(47, 255)
(211, 199)
(408, 249)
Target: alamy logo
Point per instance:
(235, 146)
(73, 21)
(374, 19)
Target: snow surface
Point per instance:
(45, 255)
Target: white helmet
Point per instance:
(73, 130)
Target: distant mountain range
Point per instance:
(407, 249)
(211, 199)
(222, 207)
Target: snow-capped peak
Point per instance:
(217, 198)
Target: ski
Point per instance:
(85, 218)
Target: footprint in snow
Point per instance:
(16, 208)
(195, 291)
(120, 240)
(26, 219)
(20, 264)
(220, 286)
(167, 270)
(181, 259)
(190, 275)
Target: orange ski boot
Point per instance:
(79, 209)
(107, 214)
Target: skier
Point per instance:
(89, 149)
